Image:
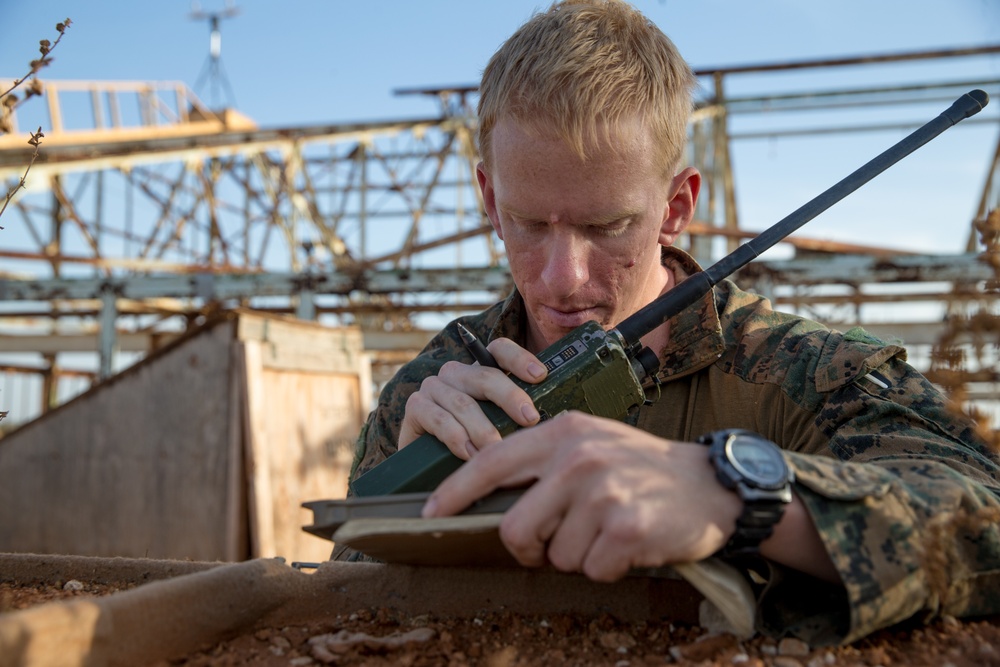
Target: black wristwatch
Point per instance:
(755, 469)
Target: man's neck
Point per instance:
(658, 338)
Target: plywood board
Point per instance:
(301, 443)
(139, 466)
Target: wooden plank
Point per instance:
(312, 426)
(306, 406)
(237, 520)
(256, 457)
(296, 345)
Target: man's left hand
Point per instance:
(606, 497)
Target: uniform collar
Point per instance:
(695, 333)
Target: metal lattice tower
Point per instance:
(212, 71)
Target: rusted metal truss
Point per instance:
(144, 209)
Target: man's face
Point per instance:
(582, 237)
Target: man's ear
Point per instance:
(489, 198)
(679, 212)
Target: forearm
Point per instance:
(907, 536)
(796, 543)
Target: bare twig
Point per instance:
(45, 47)
(35, 140)
(9, 102)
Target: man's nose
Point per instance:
(566, 266)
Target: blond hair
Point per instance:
(584, 69)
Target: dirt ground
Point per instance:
(380, 637)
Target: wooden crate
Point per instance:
(204, 450)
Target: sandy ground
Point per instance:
(385, 636)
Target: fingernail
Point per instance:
(429, 507)
(536, 370)
(529, 412)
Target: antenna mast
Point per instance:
(212, 69)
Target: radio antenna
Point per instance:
(212, 69)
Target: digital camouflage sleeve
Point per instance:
(905, 495)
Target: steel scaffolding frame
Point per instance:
(147, 211)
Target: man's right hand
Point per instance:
(445, 405)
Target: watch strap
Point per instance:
(753, 526)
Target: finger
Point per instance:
(603, 563)
(517, 360)
(645, 536)
(449, 414)
(464, 409)
(493, 385)
(558, 518)
(514, 463)
(572, 540)
(424, 415)
(529, 524)
(612, 551)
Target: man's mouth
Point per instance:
(571, 318)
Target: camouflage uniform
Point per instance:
(903, 492)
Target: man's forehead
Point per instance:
(564, 200)
(598, 137)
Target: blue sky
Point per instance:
(300, 62)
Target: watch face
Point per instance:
(758, 460)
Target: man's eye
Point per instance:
(532, 225)
(612, 229)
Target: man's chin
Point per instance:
(554, 331)
(544, 339)
(554, 334)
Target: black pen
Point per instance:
(476, 347)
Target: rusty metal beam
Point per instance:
(210, 287)
(85, 154)
(966, 268)
(931, 54)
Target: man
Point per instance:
(582, 123)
